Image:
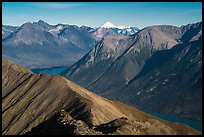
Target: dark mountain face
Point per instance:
(171, 85)
(191, 32)
(112, 68)
(34, 47)
(89, 29)
(80, 37)
(7, 30)
(46, 104)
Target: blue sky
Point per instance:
(94, 14)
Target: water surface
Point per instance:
(51, 71)
(196, 124)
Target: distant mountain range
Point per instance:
(158, 68)
(39, 44)
(52, 105)
(33, 46)
(7, 30)
(108, 29)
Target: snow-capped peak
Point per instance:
(108, 25)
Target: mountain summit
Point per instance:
(108, 25)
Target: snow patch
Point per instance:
(121, 27)
(166, 80)
(151, 89)
(57, 29)
(172, 74)
(7, 30)
(127, 80)
(157, 73)
(129, 30)
(138, 93)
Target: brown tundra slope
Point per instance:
(47, 104)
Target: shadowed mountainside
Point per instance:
(47, 104)
(111, 67)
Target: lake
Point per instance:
(192, 123)
(196, 124)
(52, 71)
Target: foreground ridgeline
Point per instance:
(47, 104)
(158, 68)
